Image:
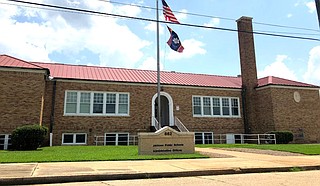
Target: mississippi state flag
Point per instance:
(168, 15)
(174, 41)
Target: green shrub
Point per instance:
(28, 137)
(283, 137)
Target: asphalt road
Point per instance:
(305, 178)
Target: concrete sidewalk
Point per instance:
(236, 163)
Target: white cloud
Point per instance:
(182, 15)
(70, 34)
(213, 22)
(150, 64)
(128, 10)
(313, 73)
(153, 27)
(312, 6)
(289, 15)
(192, 48)
(278, 69)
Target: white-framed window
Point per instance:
(84, 103)
(204, 106)
(203, 138)
(74, 138)
(116, 139)
(5, 141)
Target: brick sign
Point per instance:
(166, 141)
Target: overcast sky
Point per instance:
(44, 35)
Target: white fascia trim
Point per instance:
(149, 84)
(40, 71)
(287, 87)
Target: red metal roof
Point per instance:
(138, 76)
(80, 72)
(271, 80)
(8, 61)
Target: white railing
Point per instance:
(180, 125)
(101, 140)
(156, 123)
(244, 138)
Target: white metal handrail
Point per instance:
(246, 138)
(180, 125)
(156, 123)
(101, 140)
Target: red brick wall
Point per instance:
(298, 117)
(20, 98)
(277, 110)
(140, 111)
(263, 112)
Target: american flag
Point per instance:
(168, 15)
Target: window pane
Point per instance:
(84, 97)
(198, 138)
(98, 108)
(9, 142)
(71, 108)
(216, 106)
(2, 138)
(110, 139)
(98, 103)
(123, 98)
(80, 138)
(235, 107)
(111, 98)
(123, 109)
(206, 106)
(226, 111)
(197, 106)
(84, 108)
(225, 106)
(71, 102)
(208, 138)
(111, 109)
(123, 139)
(67, 138)
(85, 102)
(111, 104)
(71, 97)
(123, 104)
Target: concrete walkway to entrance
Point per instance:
(237, 162)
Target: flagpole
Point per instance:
(317, 2)
(158, 67)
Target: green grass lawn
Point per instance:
(85, 153)
(115, 153)
(308, 149)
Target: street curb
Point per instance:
(130, 176)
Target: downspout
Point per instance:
(54, 87)
(244, 110)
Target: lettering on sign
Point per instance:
(166, 141)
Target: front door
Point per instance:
(166, 109)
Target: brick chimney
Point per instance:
(248, 72)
